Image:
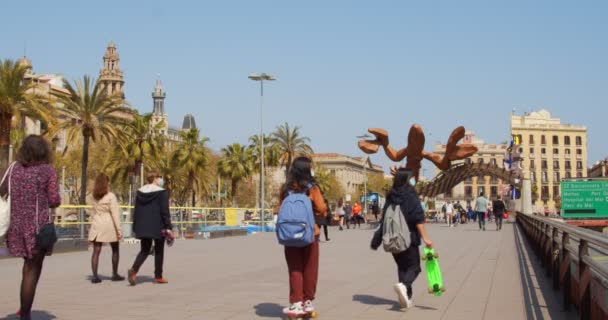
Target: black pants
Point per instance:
(408, 267)
(498, 217)
(324, 227)
(481, 216)
(159, 252)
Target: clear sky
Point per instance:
(342, 66)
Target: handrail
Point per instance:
(553, 243)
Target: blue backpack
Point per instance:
(295, 224)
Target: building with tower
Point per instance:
(159, 116)
(110, 74)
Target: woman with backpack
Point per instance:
(403, 198)
(302, 262)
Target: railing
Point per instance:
(575, 260)
(72, 222)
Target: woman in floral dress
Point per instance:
(33, 179)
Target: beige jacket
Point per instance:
(105, 219)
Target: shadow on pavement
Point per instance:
(269, 310)
(38, 315)
(376, 301)
(527, 258)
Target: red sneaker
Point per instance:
(161, 281)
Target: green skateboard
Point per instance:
(433, 272)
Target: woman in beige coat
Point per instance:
(105, 226)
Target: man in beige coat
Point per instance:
(105, 226)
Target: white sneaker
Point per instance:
(308, 307)
(402, 294)
(409, 302)
(294, 310)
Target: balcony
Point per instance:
(567, 156)
(579, 157)
(544, 156)
(532, 156)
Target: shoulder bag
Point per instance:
(5, 203)
(45, 236)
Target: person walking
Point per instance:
(499, 209)
(449, 214)
(481, 206)
(348, 213)
(340, 212)
(403, 195)
(31, 182)
(105, 226)
(357, 215)
(303, 262)
(151, 223)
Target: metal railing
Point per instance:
(72, 222)
(575, 259)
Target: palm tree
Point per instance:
(18, 100)
(192, 157)
(91, 114)
(290, 144)
(236, 164)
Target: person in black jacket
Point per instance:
(404, 195)
(151, 223)
(499, 209)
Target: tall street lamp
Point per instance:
(366, 159)
(261, 77)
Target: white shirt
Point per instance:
(449, 208)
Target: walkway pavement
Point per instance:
(488, 275)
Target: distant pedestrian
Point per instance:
(348, 213)
(471, 214)
(357, 215)
(403, 196)
(481, 207)
(499, 209)
(375, 210)
(340, 212)
(105, 226)
(449, 213)
(151, 224)
(31, 233)
(323, 222)
(303, 262)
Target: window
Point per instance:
(579, 174)
(579, 151)
(543, 164)
(543, 150)
(468, 180)
(579, 165)
(332, 172)
(494, 191)
(468, 191)
(544, 177)
(555, 140)
(493, 180)
(543, 140)
(568, 175)
(467, 161)
(480, 160)
(531, 164)
(493, 161)
(531, 139)
(567, 140)
(579, 141)
(556, 176)
(545, 193)
(555, 164)
(555, 192)
(531, 150)
(567, 151)
(481, 189)
(555, 151)
(568, 166)
(532, 176)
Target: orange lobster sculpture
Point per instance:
(414, 151)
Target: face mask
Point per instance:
(312, 173)
(412, 181)
(161, 182)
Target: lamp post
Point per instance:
(365, 136)
(261, 77)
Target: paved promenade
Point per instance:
(488, 275)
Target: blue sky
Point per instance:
(342, 66)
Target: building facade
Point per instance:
(599, 169)
(349, 171)
(551, 151)
(111, 75)
(472, 187)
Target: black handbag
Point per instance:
(47, 235)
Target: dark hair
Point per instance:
(340, 202)
(34, 150)
(151, 176)
(102, 186)
(299, 176)
(481, 194)
(402, 178)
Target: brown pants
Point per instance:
(303, 265)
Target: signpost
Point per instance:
(584, 199)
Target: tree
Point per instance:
(377, 183)
(92, 114)
(18, 100)
(271, 155)
(290, 144)
(192, 157)
(328, 183)
(236, 164)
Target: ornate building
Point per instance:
(110, 74)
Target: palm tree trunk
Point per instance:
(5, 138)
(234, 185)
(85, 164)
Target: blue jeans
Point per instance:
(481, 216)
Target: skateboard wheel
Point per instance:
(313, 314)
(430, 290)
(423, 258)
(442, 289)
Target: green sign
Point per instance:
(585, 199)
